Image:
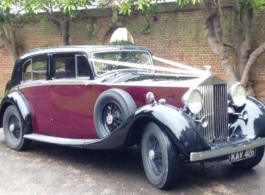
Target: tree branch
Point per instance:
(12, 35)
(6, 30)
(3, 37)
(231, 47)
(238, 27)
(2, 46)
(216, 15)
(247, 34)
(209, 27)
(244, 33)
(50, 13)
(252, 59)
(48, 10)
(108, 3)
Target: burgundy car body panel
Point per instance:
(38, 98)
(72, 110)
(59, 109)
(170, 94)
(65, 107)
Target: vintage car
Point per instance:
(113, 97)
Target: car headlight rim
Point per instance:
(193, 101)
(237, 95)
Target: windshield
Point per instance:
(139, 57)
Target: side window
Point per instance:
(70, 66)
(35, 68)
(27, 70)
(64, 66)
(82, 66)
(39, 67)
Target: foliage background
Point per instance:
(175, 33)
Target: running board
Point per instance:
(59, 140)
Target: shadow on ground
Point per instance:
(122, 171)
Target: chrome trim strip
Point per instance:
(151, 84)
(59, 140)
(72, 81)
(86, 82)
(197, 156)
(69, 81)
(33, 84)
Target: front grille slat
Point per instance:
(215, 109)
(210, 101)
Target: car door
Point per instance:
(72, 96)
(35, 88)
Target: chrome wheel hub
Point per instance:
(12, 127)
(151, 155)
(109, 119)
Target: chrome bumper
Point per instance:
(197, 156)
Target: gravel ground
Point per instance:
(51, 169)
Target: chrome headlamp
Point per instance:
(193, 100)
(237, 95)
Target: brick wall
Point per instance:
(5, 70)
(176, 35)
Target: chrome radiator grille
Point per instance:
(215, 109)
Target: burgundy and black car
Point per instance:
(114, 97)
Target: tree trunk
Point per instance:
(63, 24)
(213, 33)
(8, 37)
(13, 41)
(243, 24)
(65, 27)
(241, 46)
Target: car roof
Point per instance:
(80, 48)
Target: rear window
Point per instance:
(35, 68)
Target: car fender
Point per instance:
(180, 128)
(254, 126)
(17, 99)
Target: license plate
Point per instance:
(242, 155)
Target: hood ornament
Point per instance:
(207, 68)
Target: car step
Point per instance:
(59, 140)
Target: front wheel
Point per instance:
(251, 162)
(160, 158)
(13, 129)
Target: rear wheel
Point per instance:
(13, 129)
(251, 162)
(160, 158)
